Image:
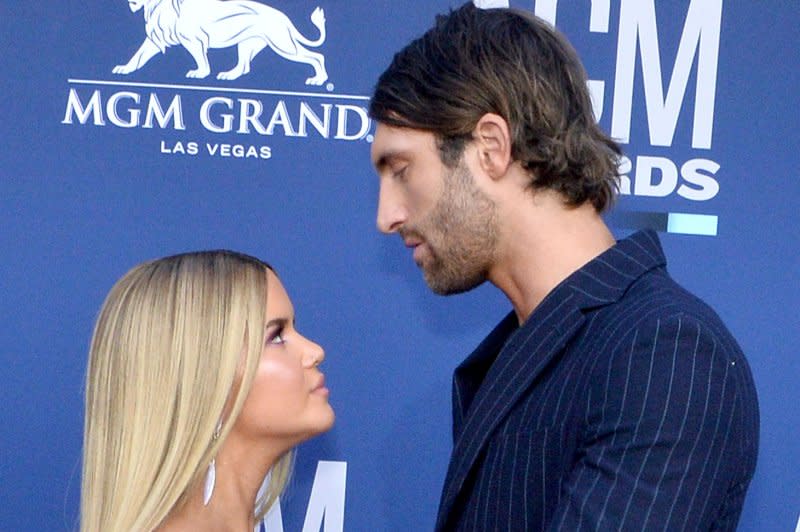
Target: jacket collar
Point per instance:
(605, 278)
(481, 403)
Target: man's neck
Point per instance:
(542, 244)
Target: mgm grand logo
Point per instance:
(202, 25)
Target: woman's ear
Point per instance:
(493, 140)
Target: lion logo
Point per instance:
(199, 25)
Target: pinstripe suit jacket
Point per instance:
(622, 403)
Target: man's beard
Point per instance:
(460, 233)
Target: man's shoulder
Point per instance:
(658, 328)
(654, 301)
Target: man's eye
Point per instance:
(401, 173)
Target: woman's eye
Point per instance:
(276, 337)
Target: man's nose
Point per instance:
(391, 210)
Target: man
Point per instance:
(610, 398)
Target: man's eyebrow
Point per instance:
(385, 159)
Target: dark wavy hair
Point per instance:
(509, 62)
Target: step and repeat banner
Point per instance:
(122, 142)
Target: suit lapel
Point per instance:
(480, 405)
(472, 372)
(523, 357)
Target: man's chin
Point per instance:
(449, 286)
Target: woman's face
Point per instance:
(288, 400)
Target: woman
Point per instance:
(198, 386)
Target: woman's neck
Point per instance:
(240, 472)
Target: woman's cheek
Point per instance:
(278, 373)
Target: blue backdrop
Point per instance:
(100, 171)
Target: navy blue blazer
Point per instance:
(622, 403)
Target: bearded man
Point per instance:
(610, 398)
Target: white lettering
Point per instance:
(238, 151)
(624, 167)
(227, 118)
(645, 170)
(598, 23)
(273, 521)
(219, 114)
(697, 176)
(155, 111)
(342, 122)
(321, 125)
(74, 106)
(327, 498)
(190, 148)
(325, 505)
(597, 91)
(546, 9)
(250, 113)
(133, 114)
(487, 4)
(598, 18)
(281, 117)
(700, 37)
(708, 186)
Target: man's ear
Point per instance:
(493, 139)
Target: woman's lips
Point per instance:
(320, 388)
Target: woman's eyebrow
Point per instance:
(277, 321)
(282, 321)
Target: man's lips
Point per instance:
(418, 250)
(417, 245)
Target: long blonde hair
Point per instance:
(175, 348)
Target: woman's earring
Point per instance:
(211, 473)
(211, 479)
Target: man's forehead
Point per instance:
(391, 142)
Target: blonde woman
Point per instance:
(198, 386)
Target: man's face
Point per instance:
(438, 211)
